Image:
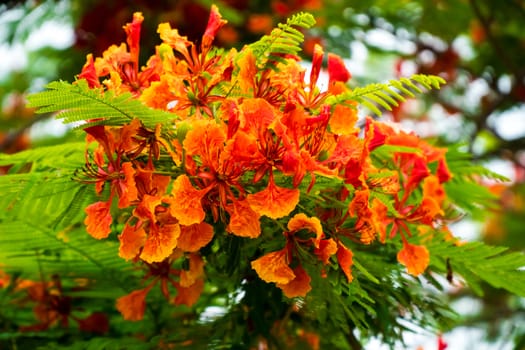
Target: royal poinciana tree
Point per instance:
(223, 199)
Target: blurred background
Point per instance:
(476, 45)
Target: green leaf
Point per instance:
(388, 95)
(80, 103)
(284, 39)
(476, 262)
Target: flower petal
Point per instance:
(299, 286)
(327, 248)
(133, 305)
(344, 256)
(273, 267)
(244, 222)
(343, 120)
(302, 222)
(215, 22)
(98, 220)
(133, 36)
(194, 237)
(414, 257)
(274, 201)
(131, 240)
(337, 70)
(185, 202)
(127, 189)
(160, 242)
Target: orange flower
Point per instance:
(344, 256)
(98, 220)
(206, 140)
(131, 240)
(133, 305)
(161, 241)
(414, 257)
(299, 286)
(194, 237)
(379, 218)
(185, 202)
(274, 201)
(273, 267)
(244, 222)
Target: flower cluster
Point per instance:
(256, 151)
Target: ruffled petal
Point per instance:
(344, 256)
(131, 240)
(98, 220)
(299, 286)
(185, 202)
(273, 267)
(244, 221)
(274, 201)
(160, 242)
(133, 305)
(414, 257)
(194, 237)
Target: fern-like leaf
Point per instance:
(464, 189)
(388, 95)
(79, 103)
(476, 262)
(283, 40)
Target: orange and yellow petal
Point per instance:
(145, 210)
(244, 221)
(414, 257)
(299, 286)
(185, 202)
(98, 219)
(194, 237)
(302, 222)
(131, 241)
(206, 140)
(343, 120)
(327, 248)
(273, 267)
(274, 201)
(345, 259)
(160, 243)
(256, 115)
(127, 188)
(133, 305)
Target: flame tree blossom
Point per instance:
(257, 151)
